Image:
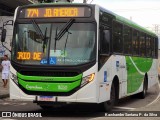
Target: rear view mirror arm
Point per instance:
(5, 47)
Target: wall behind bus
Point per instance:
(9, 34)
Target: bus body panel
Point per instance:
(87, 93)
(153, 74)
(115, 66)
(125, 68)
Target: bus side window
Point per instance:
(135, 42)
(117, 37)
(105, 42)
(148, 46)
(142, 46)
(127, 34)
(153, 47)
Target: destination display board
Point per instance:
(55, 12)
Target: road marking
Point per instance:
(125, 108)
(14, 104)
(154, 101)
(6, 119)
(158, 97)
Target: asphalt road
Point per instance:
(82, 111)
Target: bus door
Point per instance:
(105, 30)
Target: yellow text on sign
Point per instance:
(29, 56)
(61, 12)
(32, 12)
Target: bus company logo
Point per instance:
(62, 87)
(33, 87)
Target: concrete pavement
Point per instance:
(153, 107)
(4, 92)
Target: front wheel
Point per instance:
(108, 105)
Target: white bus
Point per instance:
(79, 53)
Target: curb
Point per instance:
(4, 96)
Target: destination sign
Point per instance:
(29, 56)
(51, 12)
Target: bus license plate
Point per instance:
(46, 98)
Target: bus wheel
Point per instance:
(108, 105)
(142, 95)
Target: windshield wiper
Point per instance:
(66, 44)
(63, 31)
(37, 28)
(39, 31)
(45, 39)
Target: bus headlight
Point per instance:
(14, 78)
(87, 79)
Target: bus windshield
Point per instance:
(76, 46)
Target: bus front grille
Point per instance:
(49, 73)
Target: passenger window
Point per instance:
(152, 47)
(117, 38)
(105, 40)
(148, 46)
(142, 46)
(127, 34)
(156, 47)
(135, 42)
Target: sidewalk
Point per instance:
(4, 92)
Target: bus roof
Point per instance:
(134, 25)
(128, 22)
(115, 16)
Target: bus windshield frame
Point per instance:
(81, 37)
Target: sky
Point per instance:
(144, 12)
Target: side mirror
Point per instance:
(3, 35)
(4, 31)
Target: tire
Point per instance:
(108, 105)
(143, 94)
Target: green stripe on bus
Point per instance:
(46, 78)
(135, 77)
(51, 84)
